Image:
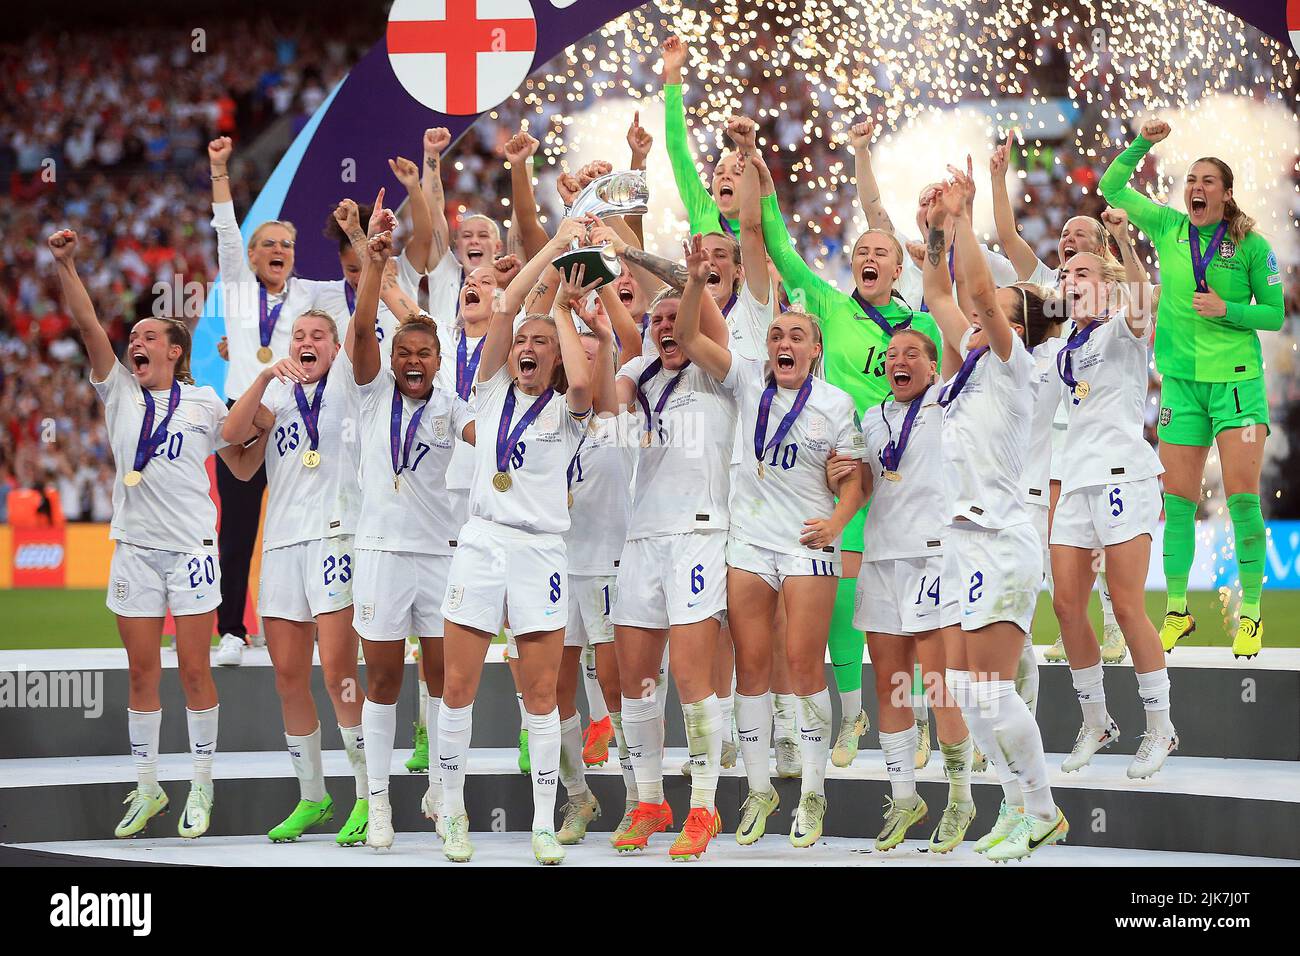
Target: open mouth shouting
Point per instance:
(1198, 204)
(140, 359)
(307, 358)
(275, 265)
(726, 191)
(785, 362)
(1067, 251)
(527, 364)
(475, 257)
(870, 274)
(625, 295)
(900, 378)
(472, 297)
(714, 278)
(668, 346)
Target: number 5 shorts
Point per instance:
(147, 582)
(1101, 515)
(998, 574)
(496, 567)
(672, 579)
(303, 580)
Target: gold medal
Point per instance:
(761, 470)
(132, 478)
(397, 483)
(1081, 389)
(264, 355)
(570, 499)
(645, 439)
(501, 481)
(893, 476)
(311, 458)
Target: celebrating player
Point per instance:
(161, 429)
(510, 555)
(993, 551)
(1220, 286)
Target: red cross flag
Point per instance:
(1293, 23)
(461, 57)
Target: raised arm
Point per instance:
(860, 135)
(700, 348)
(232, 258)
(521, 286)
(701, 210)
(983, 291)
(63, 246)
(1020, 253)
(753, 252)
(1139, 298)
(361, 330)
(802, 286)
(947, 314)
(520, 150)
(436, 140)
(639, 141)
(219, 151)
(1114, 186)
(576, 367)
(621, 324)
(420, 246)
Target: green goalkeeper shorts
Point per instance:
(1193, 413)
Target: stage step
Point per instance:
(1196, 804)
(1222, 708)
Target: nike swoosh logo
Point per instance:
(202, 746)
(456, 757)
(746, 733)
(692, 603)
(1035, 844)
(848, 663)
(334, 593)
(546, 773)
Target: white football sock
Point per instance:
(304, 754)
(727, 707)
(354, 744)
(704, 744)
(1027, 675)
(143, 727)
(379, 728)
(785, 712)
(1153, 688)
(624, 757)
(981, 732)
(661, 683)
(754, 730)
(1091, 691)
(1014, 728)
(815, 740)
(431, 711)
(455, 726)
(596, 708)
(572, 769)
(956, 766)
(851, 702)
(900, 762)
(202, 726)
(422, 711)
(544, 753)
(523, 714)
(643, 725)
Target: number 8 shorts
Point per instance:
(672, 579)
(997, 574)
(303, 580)
(147, 582)
(1101, 515)
(496, 567)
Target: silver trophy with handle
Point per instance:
(614, 194)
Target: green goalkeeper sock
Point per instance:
(1250, 541)
(845, 642)
(1179, 549)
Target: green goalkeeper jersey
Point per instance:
(1244, 274)
(701, 210)
(853, 346)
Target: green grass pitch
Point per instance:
(63, 618)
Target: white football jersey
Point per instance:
(682, 480)
(1044, 275)
(461, 470)
(600, 480)
(1104, 443)
(538, 497)
(445, 280)
(171, 509)
(911, 281)
(770, 511)
(748, 321)
(333, 298)
(241, 304)
(1035, 482)
(415, 513)
(985, 436)
(907, 517)
(308, 504)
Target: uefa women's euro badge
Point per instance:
(614, 194)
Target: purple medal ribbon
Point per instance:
(875, 315)
(1063, 357)
(891, 456)
(761, 445)
(949, 393)
(573, 462)
(350, 294)
(650, 372)
(395, 429)
(150, 438)
(508, 438)
(311, 413)
(726, 226)
(1201, 265)
(726, 309)
(467, 366)
(266, 318)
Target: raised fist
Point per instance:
(520, 147)
(861, 134)
(63, 245)
(436, 139)
(1154, 130)
(219, 150)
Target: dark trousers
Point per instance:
(241, 506)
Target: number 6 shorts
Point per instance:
(147, 582)
(672, 579)
(496, 568)
(1101, 515)
(303, 580)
